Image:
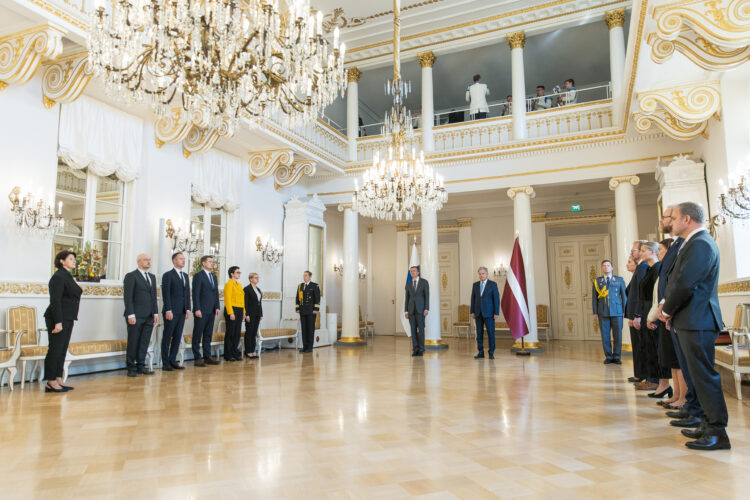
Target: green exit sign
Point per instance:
(575, 208)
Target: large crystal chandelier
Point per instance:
(734, 201)
(400, 184)
(226, 58)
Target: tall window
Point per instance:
(93, 210)
(213, 223)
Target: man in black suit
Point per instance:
(175, 293)
(484, 310)
(205, 309)
(692, 305)
(632, 313)
(307, 304)
(142, 313)
(417, 307)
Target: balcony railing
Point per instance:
(317, 137)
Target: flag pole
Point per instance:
(523, 351)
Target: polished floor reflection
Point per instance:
(358, 423)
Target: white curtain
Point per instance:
(101, 138)
(215, 179)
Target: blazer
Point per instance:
(175, 292)
(475, 95)
(205, 294)
(646, 288)
(615, 303)
(64, 297)
(692, 295)
(234, 296)
(417, 301)
(487, 304)
(253, 305)
(633, 305)
(307, 300)
(139, 296)
(667, 263)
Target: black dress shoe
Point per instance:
(694, 433)
(48, 388)
(175, 366)
(420, 353)
(146, 372)
(617, 361)
(492, 356)
(301, 350)
(634, 379)
(167, 368)
(132, 374)
(414, 353)
(479, 355)
(686, 422)
(716, 440)
(677, 414)
(608, 361)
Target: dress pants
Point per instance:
(203, 330)
(139, 336)
(639, 365)
(481, 323)
(171, 337)
(233, 334)
(307, 325)
(611, 330)
(698, 347)
(58, 348)
(692, 406)
(650, 354)
(251, 333)
(416, 320)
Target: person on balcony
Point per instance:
(569, 94)
(476, 96)
(508, 106)
(541, 101)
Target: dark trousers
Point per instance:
(251, 333)
(203, 330)
(482, 323)
(58, 348)
(691, 406)
(171, 337)
(139, 335)
(479, 116)
(416, 320)
(639, 365)
(650, 353)
(307, 326)
(698, 347)
(611, 330)
(233, 334)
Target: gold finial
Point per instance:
(516, 40)
(615, 18)
(353, 75)
(426, 59)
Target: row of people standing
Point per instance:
(476, 96)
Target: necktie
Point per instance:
(145, 277)
(414, 284)
(481, 288)
(607, 281)
(211, 279)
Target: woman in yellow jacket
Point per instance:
(234, 313)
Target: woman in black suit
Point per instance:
(253, 314)
(64, 298)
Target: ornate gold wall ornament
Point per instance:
(173, 127)
(570, 325)
(528, 190)
(42, 289)
(444, 281)
(202, 140)
(567, 277)
(681, 112)
(353, 75)
(516, 40)
(339, 18)
(21, 53)
(272, 295)
(65, 79)
(592, 273)
(370, 229)
(286, 176)
(700, 51)
(615, 18)
(675, 128)
(735, 287)
(265, 163)
(634, 180)
(723, 23)
(426, 59)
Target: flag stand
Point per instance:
(523, 351)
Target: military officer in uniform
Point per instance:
(307, 305)
(608, 300)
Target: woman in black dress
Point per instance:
(64, 298)
(650, 331)
(253, 314)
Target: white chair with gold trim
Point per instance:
(464, 321)
(217, 340)
(736, 357)
(9, 358)
(24, 318)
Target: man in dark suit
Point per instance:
(484, 310)
(175, 293)
(632, 311)
(141, 312)
(692, 305)
(417, 307)
(307, 305)
(608, 299)
(205, 309)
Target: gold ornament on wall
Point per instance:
(570, 325)
(22, 53)
(65, 79)
(265, 163)
(286, 176)
(567, 277)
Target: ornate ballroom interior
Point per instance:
(279, 174)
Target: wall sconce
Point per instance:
(269, 251)
(183, 241)
(37, 216)
(499, 271)
(339, 269)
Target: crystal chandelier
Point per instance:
(734, 201)
(269, 251)
(400, 184)
(224, 58)
(184, 241)
(36, 216)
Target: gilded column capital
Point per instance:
(402, 226)
(633, 180)
(464, 222)
(22, 53)
(516, 40)
(370, 229)
(344, 206)
(615, 18)
(527, 190)
(353, 74)
(426, 59)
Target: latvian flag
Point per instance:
(514, 303)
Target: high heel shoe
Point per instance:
(47, 388)
(659, 395)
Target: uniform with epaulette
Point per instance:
(307, 304)
(608, 300)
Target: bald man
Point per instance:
(141, 312)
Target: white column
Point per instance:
(615, 20)
(466, 270)
(518, 88)
(370, 311)
(402, 267)
(521, 197)
(430, 271)
(427, 60)
(350, 280)
(352, 111)
(626, 229)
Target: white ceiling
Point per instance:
(12, 22)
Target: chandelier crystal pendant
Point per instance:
(400, 184)
(226, 59)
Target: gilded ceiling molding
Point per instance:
(515, 191)
(722, 22)
(339, 18)
(353, 75)
(22, 53)
(700, 51)
(265, 163)
(681, 112)
(633, 180)
(202, 140)
(426, 59)
(615, 18)
(173, 127)
(517, 40)
(65, 79)
(289, 175)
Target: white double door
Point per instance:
(447, 285)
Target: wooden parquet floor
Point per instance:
(358, 423)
